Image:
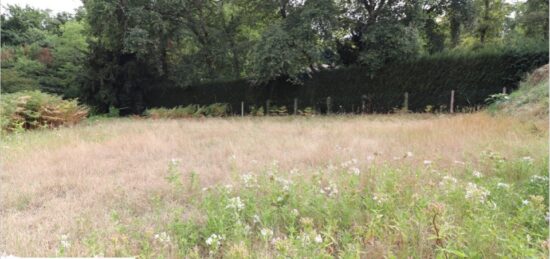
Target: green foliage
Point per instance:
(13, 81)
(34, 109)
(192, 110)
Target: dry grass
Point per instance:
(70, 180)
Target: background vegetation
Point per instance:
(111, 53)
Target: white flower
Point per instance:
(249, 180)
(280, 199)
(503, 185)
(524, 202)
(427, 162)
(295, 212)
(354, 170)
(379, 198)
(65, 241)
(235, 203)
(448, 182)
(331, 190)
(476, 193)
(285, 184)
(162, 237)
(318, 239)
(175, 161)
(477, 174)
(266, 232)
(409, 154)
(214, 240)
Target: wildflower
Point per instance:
(379, 198)
(295, 212)
(285, 184)
(175, 161)
(448, 182)
(65, 241)
(249, 180)
(266, 232)
(476, 193)
(318, 239)
(477, 174)
(235, 203)
(162, 237)
(330, 190)
(409, 154)
(503, 185)
(214, 241)
(280, 199)
(294, 171)
(427, 162)
(355, 171)
(524, 202)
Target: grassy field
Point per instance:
(394, 186)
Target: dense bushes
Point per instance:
(34, 109)
(428, 81)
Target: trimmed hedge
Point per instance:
(428, 81)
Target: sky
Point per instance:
(56, 6)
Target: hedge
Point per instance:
(428, 82)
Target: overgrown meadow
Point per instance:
(162, 189)
(351, 211)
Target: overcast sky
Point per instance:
(55, 5)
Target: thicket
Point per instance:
(428, 81)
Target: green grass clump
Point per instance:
(34, 109)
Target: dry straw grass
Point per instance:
(69, 180)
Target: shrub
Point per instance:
(192, 110)
(35, 109)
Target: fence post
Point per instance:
(267, 107)
(504, 90)
(295, 106)
(452, 101)
(406, 102)
(242, 109)
(328, 105)
(363, 103)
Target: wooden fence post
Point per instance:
(328, 105)
(452, 101)
(295, 106)
(504, 90)
(363, 103)
(242, 109)
(406, 102)
(267, 107)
